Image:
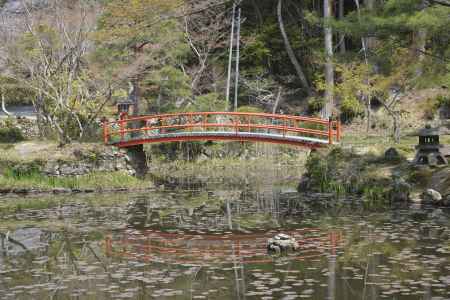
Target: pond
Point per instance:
(211, 244)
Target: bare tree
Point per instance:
(49, 58)
(206, 32)
(390, 106)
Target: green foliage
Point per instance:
(168, 89)
(250, 109)
(340, 172)
(321, 170)
(10, 133)
(152, 44)
(15, 92)
(420, 176)
(25, 170)
(257, 52)
(350, 108)
(443, 101)
(98, 181)
(315, 105)
(207, 102)
(374, 197)
(431, 106)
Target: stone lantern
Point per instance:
(429, 149)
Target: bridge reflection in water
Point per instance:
(237, 250)
(233, 126)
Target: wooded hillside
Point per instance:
(73, 60)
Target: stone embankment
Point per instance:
(110, 161)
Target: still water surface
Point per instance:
(211, 244)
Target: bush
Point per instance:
(443, 101)
(315, 105)
(420, 176)
(432, 105)
(11, 135)
(350, 109)
(208, 102)
(25, 170)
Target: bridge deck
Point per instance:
(223, 135)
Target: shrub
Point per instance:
(24, 170)
(443, 101)
(350, 109)
(420, 176)
(208, 102)
(9, 133)
(315, 105)
(432, 105)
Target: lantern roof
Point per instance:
(125, 101)
(431, 131)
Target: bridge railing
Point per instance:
(152, 126)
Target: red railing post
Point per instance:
(204, 122)
(330, 131)
(108, 246)
(122, 128)
(105, 130)
(338, 130)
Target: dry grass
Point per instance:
(45, 150)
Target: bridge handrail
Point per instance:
(264, 115)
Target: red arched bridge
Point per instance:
(233, 126)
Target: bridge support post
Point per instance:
(330, 131)
(138, 160)
(338, 130)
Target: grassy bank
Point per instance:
(96, 181)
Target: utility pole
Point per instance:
(234, 54)
(238, 44)
(230, 59)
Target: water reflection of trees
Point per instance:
(216, 210)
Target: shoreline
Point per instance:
(29, 192)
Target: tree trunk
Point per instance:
(258, 13)
(134, 96)
(366, 60)
(4, 106)
(290, 51)
(370, 41)
(277, 101)
(342, 48)
(419, 44)
(329, 70)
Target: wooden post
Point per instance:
(105, 130)
(338, 130)
(122, 128)
(330, 131)
(108, 246)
